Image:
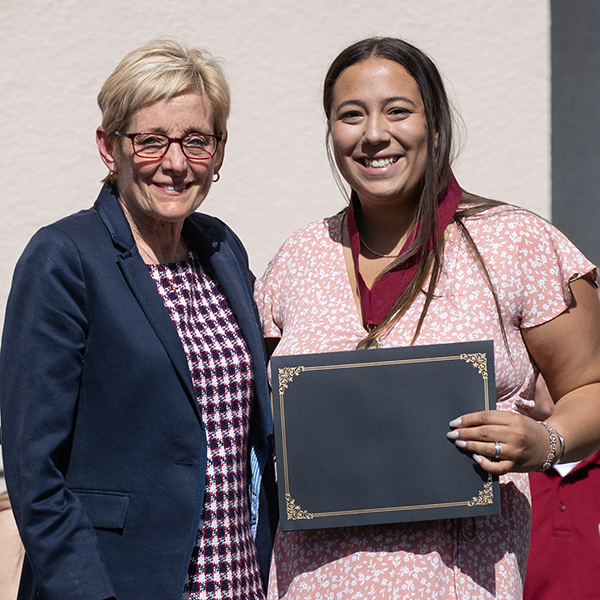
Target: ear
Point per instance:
(106, 149)
(220, 154)
(436, 140)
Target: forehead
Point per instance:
(376, 78)
(184, 112)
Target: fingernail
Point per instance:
(477, 459)
(452, 435)
(461, 443)
(455, 423)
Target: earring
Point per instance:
(216, 177)
(113, 176)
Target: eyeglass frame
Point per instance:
(131, 136)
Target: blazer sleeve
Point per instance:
(43, 349)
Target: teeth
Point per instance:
(378, 163)
(173, 188)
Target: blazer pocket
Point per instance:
(106, 510)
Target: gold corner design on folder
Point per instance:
(286, 375)
(485, 496)
(479, 361)
(294, 512)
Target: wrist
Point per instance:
(557, 447)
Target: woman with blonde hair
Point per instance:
(135, 407)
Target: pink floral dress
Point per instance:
(305, 298)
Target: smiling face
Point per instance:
(170, 189)
(379, 132)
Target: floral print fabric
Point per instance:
(305, 298)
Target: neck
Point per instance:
(384, 231)
(158, 242)
(155, 253)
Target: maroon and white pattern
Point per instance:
(305, 298)
(224, 562)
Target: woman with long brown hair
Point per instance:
(417, 260)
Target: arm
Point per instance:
(567, 352)
(544, 405)
(40, 370)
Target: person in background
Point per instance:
(417, 260)
(11, 551)
(564, 558)
(135, 404)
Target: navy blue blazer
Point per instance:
(104, 447)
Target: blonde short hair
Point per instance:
(160, 70)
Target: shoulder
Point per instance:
(218, 231)
(517, 244)
(210, 223)
(506, 214)
(77, 226)
(65, 238)
(516, 227)
(305, 253)
(316, 234)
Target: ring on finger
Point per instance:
(498, 449)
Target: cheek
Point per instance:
(342, 161)
(203, 172)
(342, 145)
(130, 173)
(135, 177)
(419, 136)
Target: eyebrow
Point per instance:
(386, 101)
(186, 131)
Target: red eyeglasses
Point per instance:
(195, 146)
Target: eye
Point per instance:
(148, 140)
(197, 141)
(399, 112)
(350, 115)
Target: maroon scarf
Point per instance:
(378, 301)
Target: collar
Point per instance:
(379, 300)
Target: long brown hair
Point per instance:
(435, 177)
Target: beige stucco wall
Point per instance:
(54, 57)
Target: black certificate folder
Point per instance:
(361, 436)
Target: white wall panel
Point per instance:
(54, 57)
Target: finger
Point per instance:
(494, 451)
(485, 417)
(500, 467)
(484, 433)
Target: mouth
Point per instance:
(379, 163)
(170, 187)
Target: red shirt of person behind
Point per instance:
(564, 560)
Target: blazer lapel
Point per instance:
(217, 255)
(143, 287)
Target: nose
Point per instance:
(376, 130)
(174, 160)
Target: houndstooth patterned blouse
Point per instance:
(224, 562)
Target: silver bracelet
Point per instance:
(552, 458)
